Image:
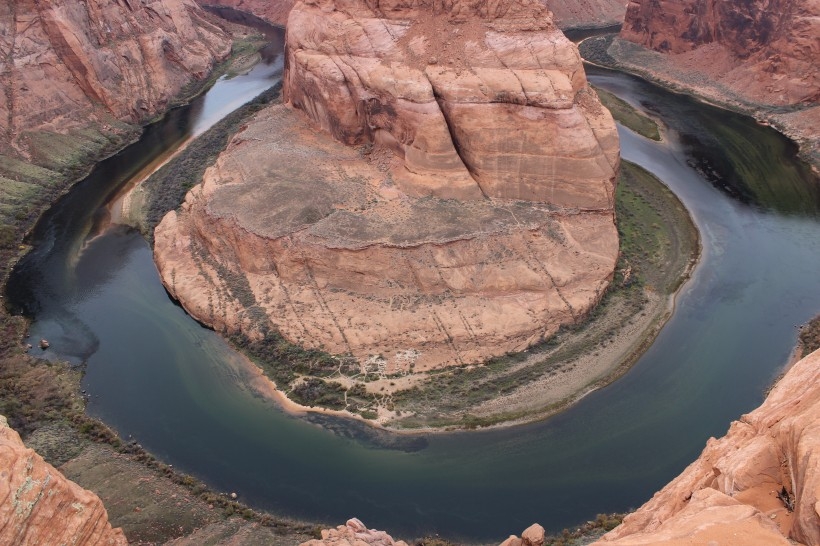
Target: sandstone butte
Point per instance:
(766, 52)
(729, 495)
(38, 505)
(576, 14)
(438, 190)
(72, 70)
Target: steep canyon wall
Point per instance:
(75, 73)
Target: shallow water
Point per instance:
(155, 374)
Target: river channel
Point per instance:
(157, 376)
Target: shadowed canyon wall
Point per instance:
(74, 73)
(38, 505)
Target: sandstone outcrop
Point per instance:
(463, 210)
(354, 533)
(765, 52)
(478, 99)
(736, 492)
(72, 71)
(273, 11)
(38, 505)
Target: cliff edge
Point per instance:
(438, 191)
(38, 505)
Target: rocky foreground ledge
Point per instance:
(438, 191)
(757, 486)
(38, 505)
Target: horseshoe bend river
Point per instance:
(155, 374)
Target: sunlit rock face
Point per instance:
(79, 68)
(437, 190)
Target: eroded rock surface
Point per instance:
(38, 505)
(767, 52)
(587, 13)
(72, 70)
(479, 99)
(732, 493)
(412, 212)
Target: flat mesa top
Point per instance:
(293, 181)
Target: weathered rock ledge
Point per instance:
(463, 210)
(38, 505)
(72, 72)
(759, 57)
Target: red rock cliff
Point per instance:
(72, 67)
(765, 50)
(479, 99)
(730, 493)
(38, 505)
(273, 11)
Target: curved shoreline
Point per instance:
(619, 355)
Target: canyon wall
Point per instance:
(38, 505)
(764, 51)
(75, 73)
(439, 191)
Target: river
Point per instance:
(154, 374)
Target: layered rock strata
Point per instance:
(479, 100)
(739, 489)
(414, 215)
(579, 14)
(765, 52)
(38, 505)
(72, 70)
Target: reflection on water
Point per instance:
(154, 373)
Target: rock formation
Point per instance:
(273, 11)
(737, 491)
(38, 505)
(72, 70)
(464, 208)
(766, 52)
(354, 533)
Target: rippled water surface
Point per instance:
(154, 373)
